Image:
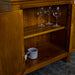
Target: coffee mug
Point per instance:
(32, 53)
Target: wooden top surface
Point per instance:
(37, 1)
(21, 4)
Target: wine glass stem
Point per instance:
(37, 20)
(49, 18)
(56, 21)
(41, 20)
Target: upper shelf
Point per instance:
(35, 1)
(33, 31)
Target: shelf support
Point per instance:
(67, 59)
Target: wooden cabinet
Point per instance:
(11, 43)
(19, 30)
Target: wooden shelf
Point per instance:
(48, 53)
(36, 31)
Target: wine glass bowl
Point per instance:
(56, 14)
(46, 14)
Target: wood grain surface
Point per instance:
(11, 43)
(72, 37)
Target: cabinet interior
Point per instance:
(50, 44)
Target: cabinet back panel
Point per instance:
(30, 19)
(62, 20)
(36, 41)
(59, 38)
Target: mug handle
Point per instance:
(28, 54)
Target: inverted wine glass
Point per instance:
(40, 13)
(56, 13)
(49, 12)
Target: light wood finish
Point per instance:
(20, 4)
(66, 1)
(48, 53)
(72, 37)
(33, 0)
(28, 0)
(73, 28)
(68, 32)
(29, 17)
(29, 5)
(11, 43)
(16, 7)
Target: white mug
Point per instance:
(32, 53)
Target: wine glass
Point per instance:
(49, 12)
(37, 17)
(40, 14)
(56, 13)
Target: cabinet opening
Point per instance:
(51, 42)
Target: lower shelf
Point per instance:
(48, 53)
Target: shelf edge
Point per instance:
(45, 32)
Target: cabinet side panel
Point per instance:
(11, 43)
(72, 36)
(73, 30)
